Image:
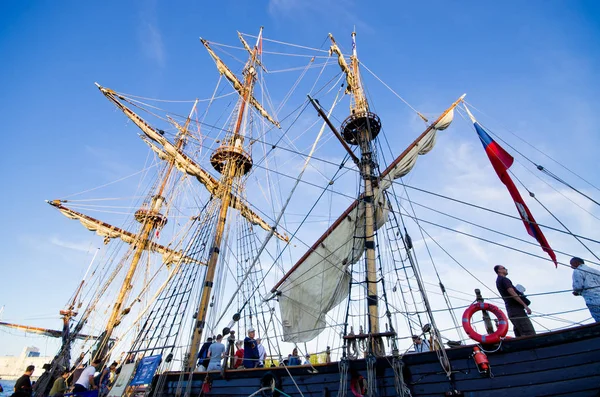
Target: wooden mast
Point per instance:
(360, 128)
(151, 219)
(231, 161)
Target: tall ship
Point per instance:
(293, 220)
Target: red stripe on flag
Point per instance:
(501, 162)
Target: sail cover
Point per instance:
(405, 162)
(320, 279)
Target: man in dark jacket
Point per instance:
(202, 360)
(516, 307)
(23, 384)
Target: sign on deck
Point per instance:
(146, 370)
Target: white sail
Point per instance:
(319, 280)
(423, 145)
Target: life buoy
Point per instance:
(358, 386)
(271, 381)
(491, 338)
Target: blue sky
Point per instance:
(534, 65)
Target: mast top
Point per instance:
(360, 118)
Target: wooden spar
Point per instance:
(233, 168)
(124, 235)
(486, 316)
(318, 108)
(343, 216)
(416, 141)
(188, 165)
(44, 331)
(151, 219)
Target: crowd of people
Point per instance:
(249, 353)
(90, 377)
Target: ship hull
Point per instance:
(560, 363)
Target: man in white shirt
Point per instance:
(262, 354)
(586, 282)
(420, 345)
(215, 354)
(86, 379)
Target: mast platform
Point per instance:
(354, 124)
(233, 153)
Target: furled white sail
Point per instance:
(169, 152)
(185, 164)
(423, 145)
(319, 280)
(239, 87)
(109, 231)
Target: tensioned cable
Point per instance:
(486, 228)
(284, 43)
(110, 183)
(395, 93)
(446, 297)
(554, 216)
(298, 179)
(534, 147)
(488, 241)
(539, 167)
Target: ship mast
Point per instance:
(361, 128)
(232, 162)
(151, 219)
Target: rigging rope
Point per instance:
(533, 147)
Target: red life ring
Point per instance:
(358, 386)
(491, 338)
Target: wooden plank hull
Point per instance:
(560, 363)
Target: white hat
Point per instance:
(250, 329)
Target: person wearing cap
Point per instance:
(420, 345)
(586, 283)
(251, 355)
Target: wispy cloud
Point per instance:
(343, 9)
(85, 246)
(150, 36)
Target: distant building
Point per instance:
(12, 367)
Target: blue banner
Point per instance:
(145, 370)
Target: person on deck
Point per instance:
(516, 308)
(307, 359)
(586, 283)
(420, 345)
(215, 354)
(239, 354)
(251, 355)
(59, 387)
(202, 360)
(23, 384)
(86, 379)
(262, 354)
(104, 381)
(294, 359)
